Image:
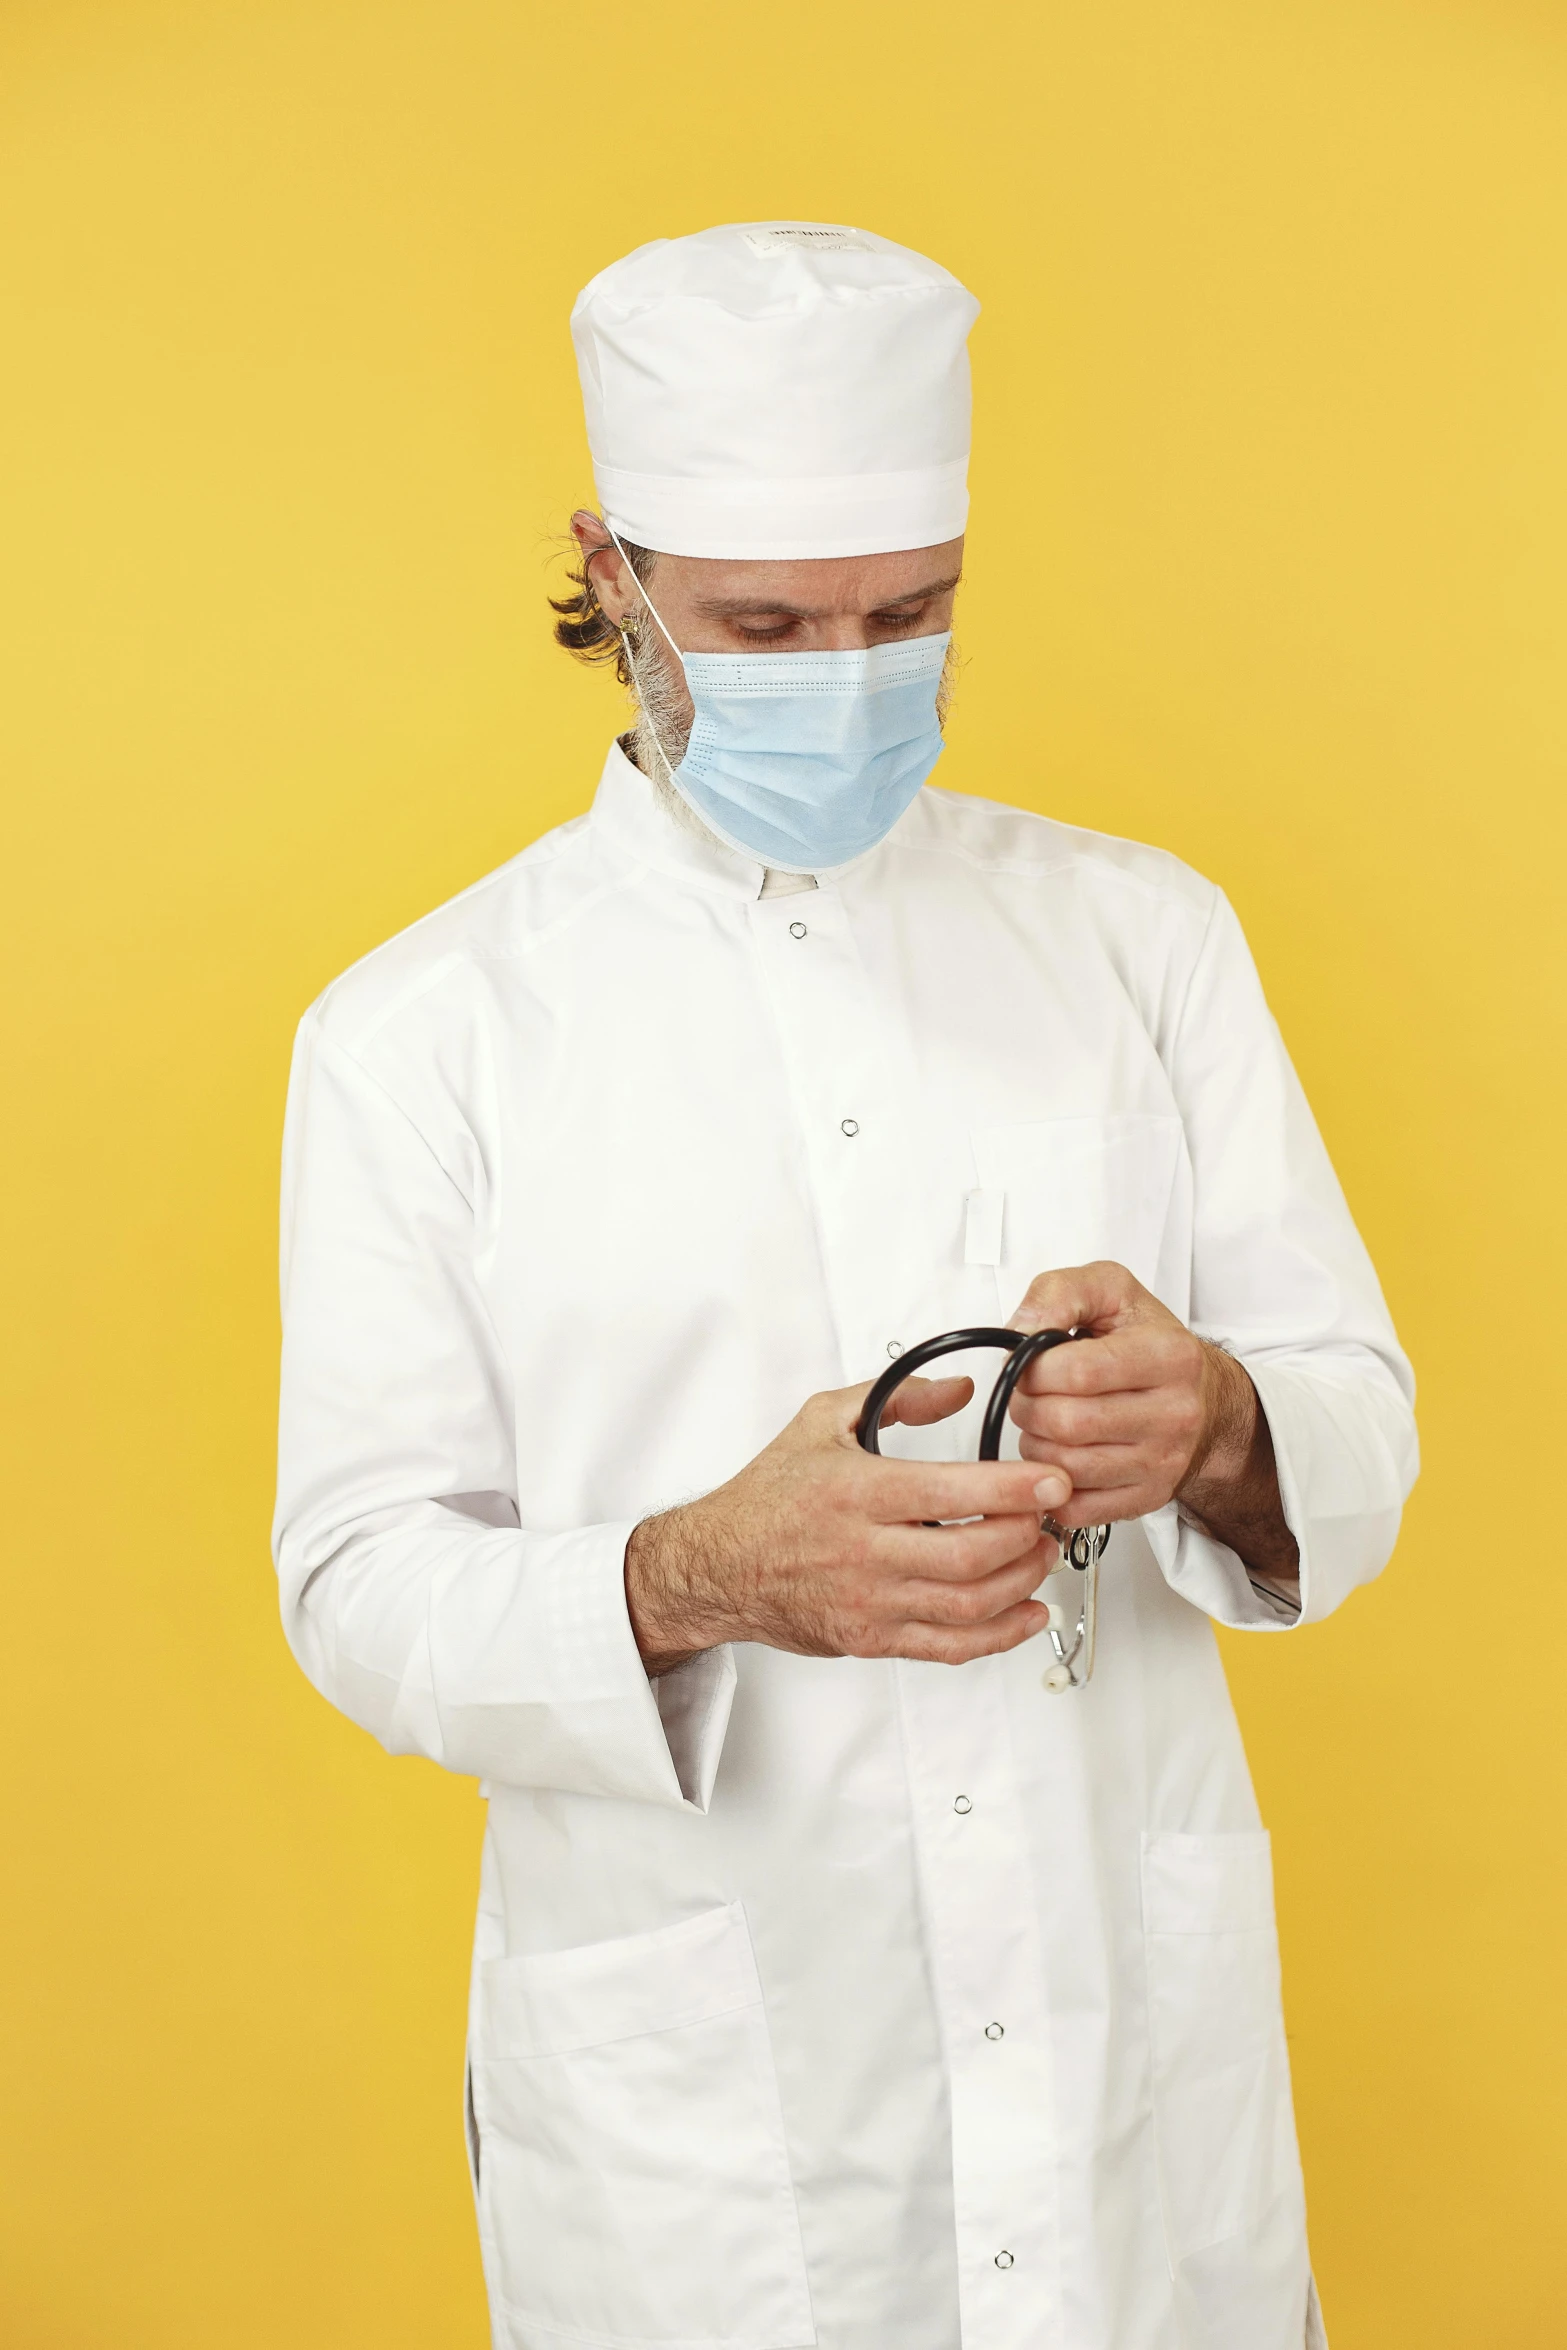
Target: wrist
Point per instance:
(664, 1599)
(1223, 1455)
(1232, 1486)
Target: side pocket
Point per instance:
(636, 2185)
(1221, 2090)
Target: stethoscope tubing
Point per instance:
(1081, 1546)
(1022, 1347)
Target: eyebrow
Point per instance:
(737, 607)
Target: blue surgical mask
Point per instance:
(806, 760)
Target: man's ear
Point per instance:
(601, 560)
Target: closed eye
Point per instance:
(895, 620)
(766, 636)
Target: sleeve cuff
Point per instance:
(1213, 1577)
(536, 1680)
(693, 1705)
(1345, 1451)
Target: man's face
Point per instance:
(831, 603)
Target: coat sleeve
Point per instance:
(1281, 1279)
(413, 1594)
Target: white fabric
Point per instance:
(780, 389)
(592, 1177)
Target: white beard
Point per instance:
(661, 732)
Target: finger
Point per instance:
(947, 1644)
(912, 1491)
(1101, 1468)
(1116, 1506)
(918, 1402)
(972, 1603)
(1080, 1297)
(962, 1554)
(1137, 1496)
(1122, 1418)
(1143, 1356)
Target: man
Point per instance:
(839, 1977)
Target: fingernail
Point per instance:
(1050, 1491)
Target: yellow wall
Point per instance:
(1266, 565)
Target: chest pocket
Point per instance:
(1077, 1190)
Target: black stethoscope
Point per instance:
(1082, 1547)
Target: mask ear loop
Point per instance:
(631, 658)
(642, 592)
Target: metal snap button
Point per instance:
(995, 2031)
(797, 930)
(961, 1803)
(1003, 2260)
(851, 1126)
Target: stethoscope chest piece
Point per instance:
(1073, 1622)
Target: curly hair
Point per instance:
(582, 625)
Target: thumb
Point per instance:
(918, 1402)
(915, 1404)
(1096, 1298)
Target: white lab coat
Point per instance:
(860, 2003)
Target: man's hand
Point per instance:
(820, 1548)
(1146, 1414)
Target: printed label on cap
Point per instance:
(819, 240)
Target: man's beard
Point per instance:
(662, 730)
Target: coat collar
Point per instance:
(627, 811)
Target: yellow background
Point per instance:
(1266, 565)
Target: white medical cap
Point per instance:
(777, 389)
